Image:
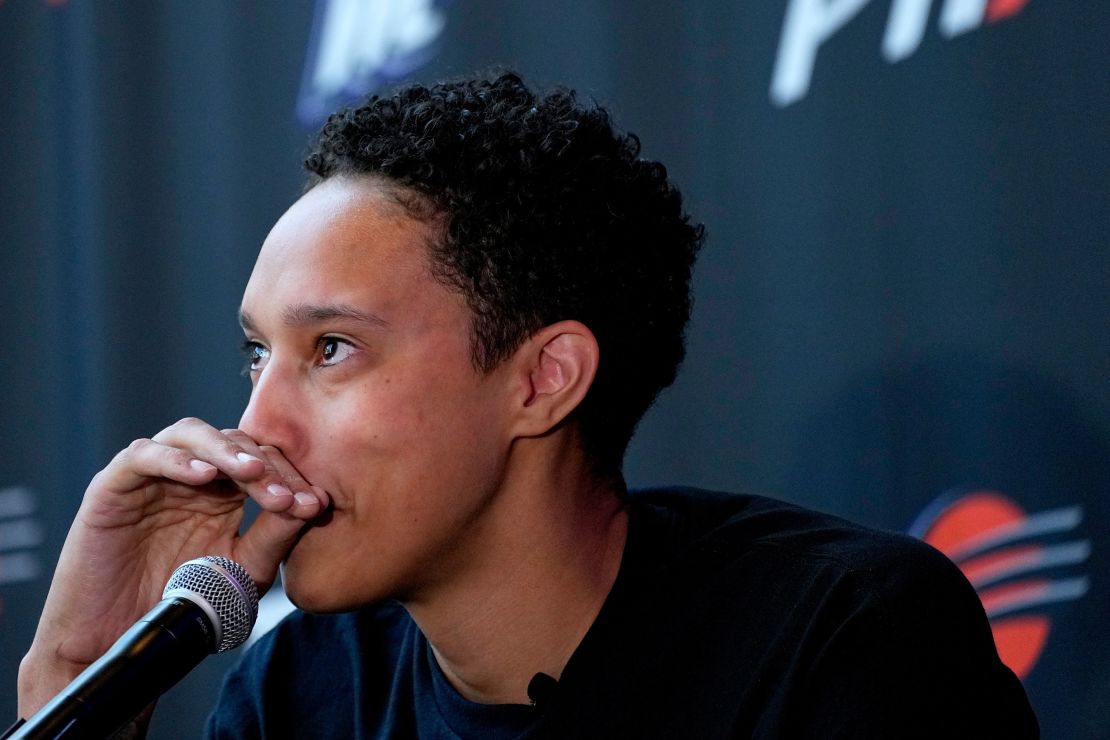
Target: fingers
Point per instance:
(189, 452)
(145, 459)
(281, 487)
(268, 540)
(237, 458)
(308, 498)
(194, 453)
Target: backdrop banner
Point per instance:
(902, 312)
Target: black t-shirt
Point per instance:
(731, 616)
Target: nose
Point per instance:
(272, 416)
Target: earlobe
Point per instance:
(561, 362)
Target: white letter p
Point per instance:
(808, 24)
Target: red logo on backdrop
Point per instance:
(1019, 564)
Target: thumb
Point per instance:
(265, 544)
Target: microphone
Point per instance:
(209, 606)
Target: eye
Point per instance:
(256, 356)
(334, 350)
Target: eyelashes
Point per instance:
(254, 355)
(333, 350)
(329, 351)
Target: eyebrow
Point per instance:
(305, 314)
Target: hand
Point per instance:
(159, 503)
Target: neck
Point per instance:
(543, 560)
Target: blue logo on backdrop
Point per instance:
(357, 46)
(21, 534)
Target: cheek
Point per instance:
(425, 400)
(426, 420)
(407, 421)
(376, 408)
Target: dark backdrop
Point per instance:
(904, 293)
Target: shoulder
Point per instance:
(735, 551)
(727, 526)
(862, 629)
(745, 547)
(843, 630)
(780, 568)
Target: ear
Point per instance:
(556, 367)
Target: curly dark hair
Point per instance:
(548, 213)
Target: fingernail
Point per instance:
(304, 499)
(201, 466)
(245, 458)
(276, 489)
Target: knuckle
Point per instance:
(184, 424)
(98, 480)
(235, 439)
(138, 445)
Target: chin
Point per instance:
(310, 583)
(313, 595)
(317, 583)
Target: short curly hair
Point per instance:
(548, 213)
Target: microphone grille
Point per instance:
(227, 588)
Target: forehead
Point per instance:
(350, 221)
(345, 240)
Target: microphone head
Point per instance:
(223, 589)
